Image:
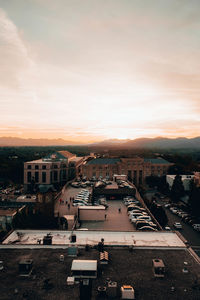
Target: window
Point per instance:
(36, 167)
(44, 177)
(29, 176)
(36, 176)
(129, 174)
(55, 175)
(64, 175)
(44, 167)
(55, 166)
(29, 167)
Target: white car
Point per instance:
(145, 217)
(177, 225)
(167, 228)
(134, 219)
(133, 216)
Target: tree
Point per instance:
(177, 190)
(159, 213)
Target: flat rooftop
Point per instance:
(124, 267)
(29, 238)
(8, 212)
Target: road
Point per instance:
(191, 235)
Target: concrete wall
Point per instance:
(92, 214)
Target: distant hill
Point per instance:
(14, 141)
(159, 142)
(146, 143)
(110, 142)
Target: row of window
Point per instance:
(53, 176)
(44, 167)
(37, 167)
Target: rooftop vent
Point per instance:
(127, 292)
(104, 258)
(25, 267)
(47, 240)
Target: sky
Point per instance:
(99, 69)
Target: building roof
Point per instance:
(160, 161)
(67, 154)
(56, 156)
(125, 267)
(100, 207)
(8, 212)
(84, 265)
(103, 161)
(112, 238)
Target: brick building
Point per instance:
(136, 168)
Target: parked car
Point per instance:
(177, 225)
(80, 204)
(145, 217)
(167, 228)
(147, 228)
(137, 214)
(196, 227)
(135, 211)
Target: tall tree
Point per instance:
(177, 190)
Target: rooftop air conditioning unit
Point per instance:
(25, 267)
(127, 292)
(47, 240)
(72, 251)
(70, 280)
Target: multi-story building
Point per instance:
(52, 169)
(136, 168)
(197, 178)
(75, 164)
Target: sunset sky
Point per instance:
(89, 70)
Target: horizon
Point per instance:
(97, 141)
(98, 70)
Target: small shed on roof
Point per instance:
(84, 268)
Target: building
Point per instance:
(130, 264)
(136, 168)
(52, 169)
(45, 200)
(197, 178)
(101, 167)
(74, 164)
(8, 214)
(186, 179)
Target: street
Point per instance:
(191, 235)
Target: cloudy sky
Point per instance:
(97, 69)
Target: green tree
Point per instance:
(177, 190)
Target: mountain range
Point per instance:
(15, 141)
(158, 142)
